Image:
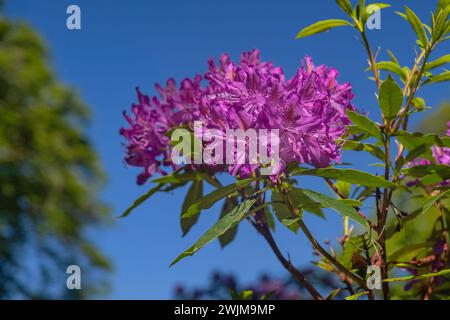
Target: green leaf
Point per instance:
(282, 211)
(357, 296)
(302, 201)
(210, 199)
(291, 222)
(195, 192)
(393, 57)
(419, 277)
(352, 202)
(269, 218)
(344, 188)
(227, 222)
(337, 205)
(435, 199)
(322, 26)
(442, 4)
(416, 152)
(352, 246)
(371, 9)
(437, 63)
(391, 98)
(442, 171)
(359, 146)
(348, 175)
(392, 67)
(408, 252)
(346, 6)
(333, 294)
(141, 199)
(443, 77)
(417, 25)
(364, 124)
(228, 236)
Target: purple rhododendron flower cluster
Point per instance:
(308, 110)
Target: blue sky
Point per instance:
(123, 44)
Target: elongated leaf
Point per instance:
(210, 199)
(346, 6)
(194, 194)
(416, 152)
(141, 199)
(282, 211)
(392, 67)
(357, 295)
(229, 204)
(438, 62)
(227, 222)
(435, 199)
(302, 201)
(335, 204)
(442, 4)
(417, 25)
(359, 146)
(364, 124)
(442, 171)
(393, 57)
(443, 77)
(391, 98)
(371, 9)
(348, 175)
(269, 218)
(351, 246)
(322, 26)
(408, 252)
(419, 277)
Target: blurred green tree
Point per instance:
(49, 176)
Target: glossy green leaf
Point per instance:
(228, 236)
(357, 295)
(210, 199)
(346, 6)
(303, 202)
(322, 26)
(438, 62)
(227, 222)
(434, 200)
(337, 205)
(194, 193)
(370, 148)
(142, 199)
(282, 211)
(391, 98)
(417, 25)
(348, 175)
(419, 277)
(364, 124)
(408, 252)
(443, 77)
(442, 171)
(352, 246)
(371, 9)
(392, 67)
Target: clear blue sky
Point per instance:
(127, 43)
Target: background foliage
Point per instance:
(49, 175)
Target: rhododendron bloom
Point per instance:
(308, 111)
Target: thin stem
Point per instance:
(373, 64)
(336, 190)
(320, 249)
(263, 229)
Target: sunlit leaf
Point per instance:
(227, 222)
